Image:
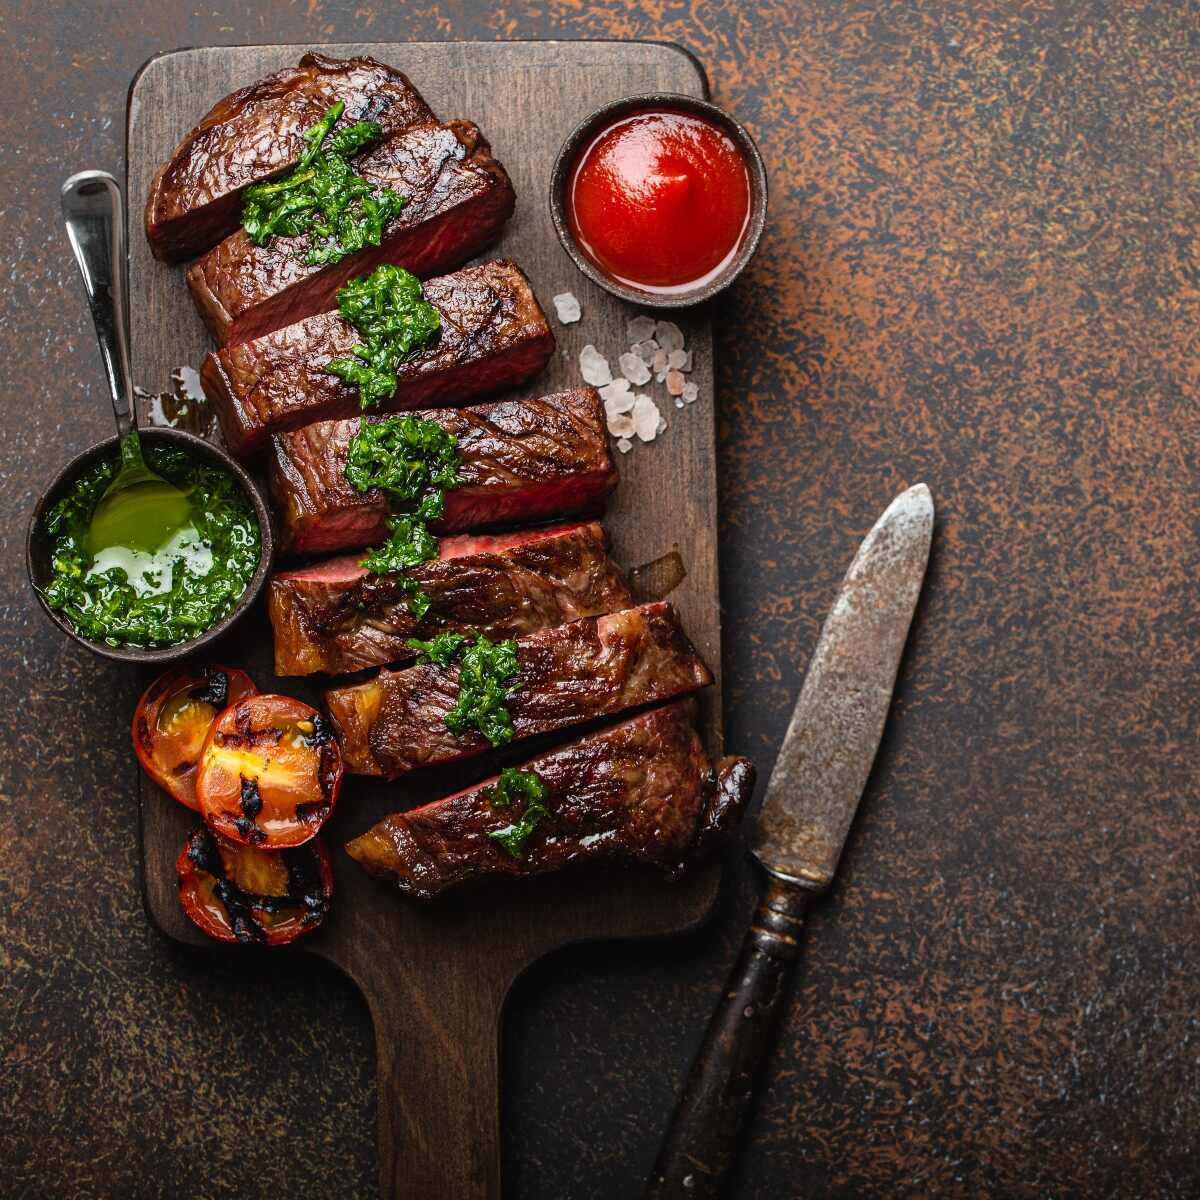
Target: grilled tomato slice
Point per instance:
(242, 894)
(269, 772)
(172, 720)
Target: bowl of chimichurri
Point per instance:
(151, 601)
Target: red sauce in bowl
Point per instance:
(660, 200)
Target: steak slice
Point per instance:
(335, 617)
(596, 667)
(522, 460)
(494, 335)
(642, 791)
(459, 197)
(196, 197)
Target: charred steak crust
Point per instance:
(590, 668)
(642, 791)
(459, 198)
(522, 460)
(494, 335)
(338, 618)
(195, 197)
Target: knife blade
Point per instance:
(838, 720)
(810, 802)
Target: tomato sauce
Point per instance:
(660, 200)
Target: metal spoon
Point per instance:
(138, 508)
(93, 210)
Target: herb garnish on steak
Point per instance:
(321, 198)
(412, 461)
(486, 674)
(390, 313)
(513, 785)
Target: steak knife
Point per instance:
(810, 802)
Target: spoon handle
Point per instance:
(95, 219)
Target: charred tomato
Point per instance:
(241, 894)
(172, 720)
(269, 772)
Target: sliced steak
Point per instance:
(596, 667)
(642, 791)
(522, 460)
(195, 198)
(494, 335)
(335, 617)
(459, 197)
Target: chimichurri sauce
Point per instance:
(130, 596)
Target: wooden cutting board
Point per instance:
(435, 975)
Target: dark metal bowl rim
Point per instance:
(605, 115)
(36, 542)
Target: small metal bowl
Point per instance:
(581, 137)
(38, 543)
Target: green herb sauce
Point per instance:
(389, 312)
(485, 668)
(513, 785)
(127, 596)
(321, 198)
(404, 457)
(414, 462)
(409, 544)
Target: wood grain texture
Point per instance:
(435, 975)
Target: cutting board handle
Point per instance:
(439, 1095)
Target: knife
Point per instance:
(810, 802)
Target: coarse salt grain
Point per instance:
(645, 418)
(593, 366)
(567, 307)
(617, 387)
(690, 392)
(645, 350)
(624, 445)
(686, 365)
(634, 369)
(614, 408)
(620, 425)
(640, 328)
(662, 424)
(675, 382)
(676, 359)
(678, 401)
(668, 335)
(659, 361)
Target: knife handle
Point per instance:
(701, 1142)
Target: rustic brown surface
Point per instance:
(980, 270)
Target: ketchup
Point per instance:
(660, 200)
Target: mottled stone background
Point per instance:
(982, 271)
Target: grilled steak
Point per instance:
(522, 460)
(494, 335)
(643, 790)
(335, 617)
(195, 199)
(459, 197)
(596, 667)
